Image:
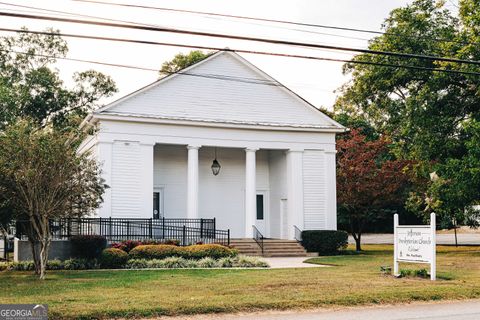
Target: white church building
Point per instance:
(220, 139)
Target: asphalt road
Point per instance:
(464, 310)
(449, 239)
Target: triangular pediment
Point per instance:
(223, 88)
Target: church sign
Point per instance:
(415, 244)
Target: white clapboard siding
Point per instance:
(314, 190)
(231, 99)
(126, 168)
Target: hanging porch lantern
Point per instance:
(216, 165)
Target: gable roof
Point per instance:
(224, 88)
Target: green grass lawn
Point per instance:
(354, 279)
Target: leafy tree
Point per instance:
(42, 178)
(355, 121)
(31, 88)
(181, 61)
(427, 114)
(369, 181)
(453, 187)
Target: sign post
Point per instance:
(415, 244)
(395, 246)
(433, 263)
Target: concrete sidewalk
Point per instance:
(290, 262)
(442, 238)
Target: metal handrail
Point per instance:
(258, 237)
(298, 233)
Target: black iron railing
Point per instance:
(187, 231)
(298, 234)
(258, 237)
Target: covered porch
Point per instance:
(248, 189)
(255, 187)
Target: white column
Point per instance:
(294, 191)
(192, 182)
(146, 179)
(331, 190)
(104, 156)
(250, 191)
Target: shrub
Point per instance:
(175, 262)
(4, 265)
(325, 242)
(206, 263)
(55, 265)
(22, 266)
(421, 273)
(80, 264)
(70, 264)
(137, 264)
(172, 242)
(126, 245)
(161, 251)
(200, 251)
(153, 251)
(249, 262)
(226, 262)
(88, 246)
(113, 258)
(178, 262)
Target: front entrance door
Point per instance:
(261, 219)
(158, 203)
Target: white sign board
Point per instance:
(415, 244)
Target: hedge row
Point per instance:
(70, 264)
(178, 262)
(197, 251)
(171, 262)
(128, 245)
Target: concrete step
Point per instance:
(269, 247)
(272, 248)
(284, 254)
(284, 249)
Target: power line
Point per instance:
(147, 24)
(67, 13)
(418, 68)
(246, 38)
(193, 74)
(82, 60)
(269, 20)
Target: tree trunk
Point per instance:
(357, 235)
(455, 231)
(44, 246)
(35, 246)
(358, 243)
(40, 238)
